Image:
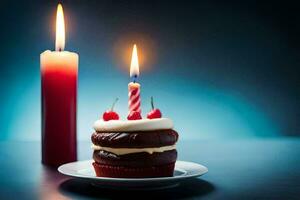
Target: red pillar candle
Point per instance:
(134, 100)
(59, 72)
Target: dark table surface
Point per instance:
(238, 169)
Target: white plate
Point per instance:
(84, 170)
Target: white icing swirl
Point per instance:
(133, 125)
(123, 151)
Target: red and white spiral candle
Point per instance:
(134, 100)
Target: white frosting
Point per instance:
(133, 125)
(122, 151)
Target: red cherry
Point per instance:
(110, 115)
(154, 114)
(134, 115)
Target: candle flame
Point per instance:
(60, 29)
(134, 67)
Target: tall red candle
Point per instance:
(59, 72)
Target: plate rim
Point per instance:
(203, 171)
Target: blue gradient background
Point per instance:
(219, 70)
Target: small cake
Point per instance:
(134, 148)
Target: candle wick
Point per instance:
(134, 78)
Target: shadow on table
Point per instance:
(192, 188)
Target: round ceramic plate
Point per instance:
(84, 170)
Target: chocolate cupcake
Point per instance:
(134, 149)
